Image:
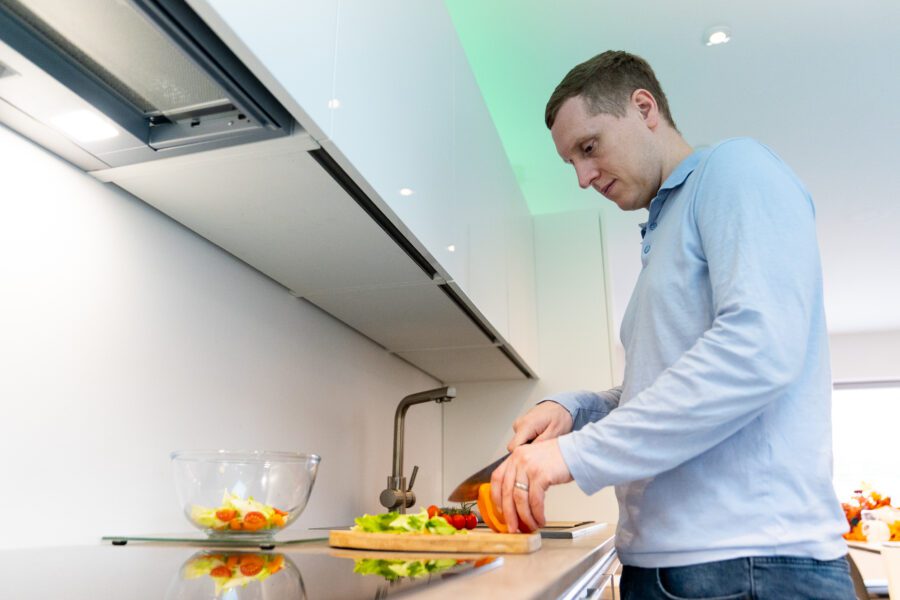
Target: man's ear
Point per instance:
(646, 105)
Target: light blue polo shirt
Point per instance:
(719, 439)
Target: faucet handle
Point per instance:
(412, 478)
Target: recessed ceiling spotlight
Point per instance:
(451, 248)
(334, 103)
(716, 36)
(406, 192)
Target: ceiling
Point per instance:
(817, 81)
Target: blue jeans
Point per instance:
(753, 578)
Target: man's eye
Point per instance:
(588, 149)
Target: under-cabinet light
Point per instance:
(84, 126)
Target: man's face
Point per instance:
(614, 155)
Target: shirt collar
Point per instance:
(675, 179)
(682, 170)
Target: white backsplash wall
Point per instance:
(575, 353)
(126, 336)
(865, 356)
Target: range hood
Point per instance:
(130, 80)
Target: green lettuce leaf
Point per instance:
(393, 570)
(396, 523)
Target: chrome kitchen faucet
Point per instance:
(397, 495)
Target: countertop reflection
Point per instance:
(176, 572)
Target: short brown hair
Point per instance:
(606, 82)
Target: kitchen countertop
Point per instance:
(546, 573)
(152, 570)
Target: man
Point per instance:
(719, 439)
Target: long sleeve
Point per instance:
(586, 406)
(755, 243)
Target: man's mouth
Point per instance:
(605, 191)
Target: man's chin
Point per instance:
(628, 204)
(623, 204)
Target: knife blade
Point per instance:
(467, 491)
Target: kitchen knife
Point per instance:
(467, 491)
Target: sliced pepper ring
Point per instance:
(486, 507)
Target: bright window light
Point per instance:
(864, 432)
(84, 126)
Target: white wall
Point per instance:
(125, 336)
(574, 354)
(865, 356)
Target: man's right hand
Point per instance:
(545, 421)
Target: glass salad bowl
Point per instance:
(237, 576)
(251, 494)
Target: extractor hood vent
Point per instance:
(152, 67)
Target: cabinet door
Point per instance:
(485, 189)
(394, 87)
(294, 41)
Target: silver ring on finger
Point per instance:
(521, 486)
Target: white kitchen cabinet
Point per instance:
(294, 42)
(482, 197)
(412, 116)
(386, 90)
(394, 122)
(522, 289)
(272, 206)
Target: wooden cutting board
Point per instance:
(472, 541)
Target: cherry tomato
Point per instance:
(225, 514)
(252, 565)
(458, 521)
(220, 571)
(254, 520)
(471, 521)
(433, 511)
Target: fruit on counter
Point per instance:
(393, 522)
(881, 509)
(460, 518)
(238, 514)
(231, 570)
(489, 513)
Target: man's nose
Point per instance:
(586, 175)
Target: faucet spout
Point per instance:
(439, 395)
(397, 495)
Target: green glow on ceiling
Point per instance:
(517, 67)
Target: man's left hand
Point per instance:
(537, 465)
